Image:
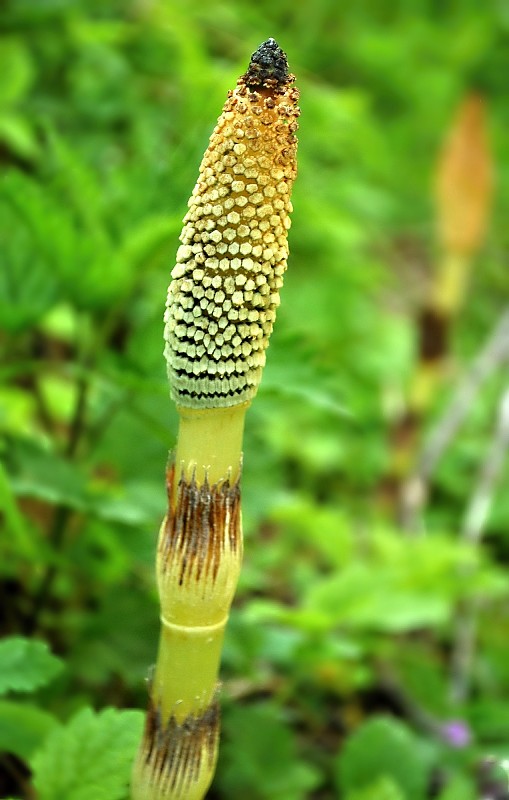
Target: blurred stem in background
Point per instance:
(474, 524)
(463, 196)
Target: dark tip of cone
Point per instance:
(268, 63)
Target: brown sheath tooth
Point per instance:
(174, 754)
(202, 522)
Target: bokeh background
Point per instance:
(366, 657)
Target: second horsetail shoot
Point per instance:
(220, 312)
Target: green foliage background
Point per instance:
(343, 627)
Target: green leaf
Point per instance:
(489, 717)
(459, 788)
(119, 639)
(89, 758)
(383, 747)
(424, 678)
(16, 69)
(18, 134)
(149, 241)
(383, 789)
(368, 599)
(29, 230)
(41, 473)
(261, 759)
(19, 535)
(26, 665)
(135, 503)
(23, 728)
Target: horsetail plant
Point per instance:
(462, 193)
(463, 189)
(220, 312)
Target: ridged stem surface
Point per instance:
(209, 442)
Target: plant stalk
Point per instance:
(220, 313)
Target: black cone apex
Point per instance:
(268, 63)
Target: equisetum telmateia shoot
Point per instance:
(220, 312)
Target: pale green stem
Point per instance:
(210, 442)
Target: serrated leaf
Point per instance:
(90, 758)
(26, 665)
(384, 748)
(23, 728)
